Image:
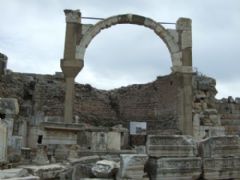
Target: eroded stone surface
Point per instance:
(171, 146)
(50, 171)
(105, 169)
(9, 106)
(13, 173)
(220, 146)
(174, 168)
(221, 168)
(41, 155)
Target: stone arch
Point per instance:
(161, 32)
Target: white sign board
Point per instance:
(138, 128)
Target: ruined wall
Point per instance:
(41, 98)
(155, 103)
(229, 110)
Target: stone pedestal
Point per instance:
(171, 146)
(132, 166)
(174, 168)
(41, 156)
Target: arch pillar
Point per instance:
(69, 64)
(178, 41)
(184, 30)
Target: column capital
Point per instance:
(72, 16)
(184, 24)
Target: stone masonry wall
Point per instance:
(41, 97)
(229, 110)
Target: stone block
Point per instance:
(221, 168)
(186, 39)
(174, 168)
(25, 178)
(200, 132)
(171, 146)
(220, 146)
(132, 166)
(60, 136)
(9, 106)
(184, 24)
(13, 173)
(105, 169)
(3, 141)
(51, 171)
(99, 141)
(114, 141)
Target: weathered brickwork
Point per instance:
(42, 96)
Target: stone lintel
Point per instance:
(72, 16)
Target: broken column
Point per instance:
(3, 64)
(183, 36)
(41, 155)
(69, 64)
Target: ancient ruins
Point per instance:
(172, 128)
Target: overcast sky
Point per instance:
(32, 34)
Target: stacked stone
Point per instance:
(221, 157)
(132, 166)
(8, 143)
(229, 109)
(172, 157)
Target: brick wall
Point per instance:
(42, 96)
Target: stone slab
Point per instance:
(174, 168)
(171, 146)
(50, 171)
(25, 178)
(220, 146)
(114, 141)
(13, 173)
(221, 168)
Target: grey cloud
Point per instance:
(33, 35)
